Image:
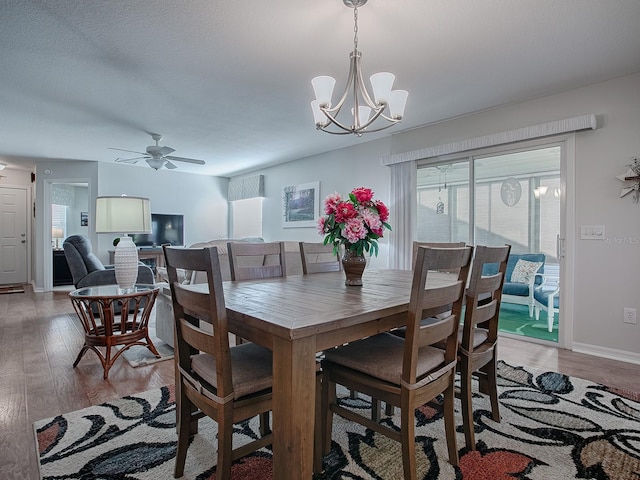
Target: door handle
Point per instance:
(23, 241)
(560, 251)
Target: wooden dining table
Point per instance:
(297, 316)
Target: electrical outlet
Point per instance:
(592, 232)
(629, 315)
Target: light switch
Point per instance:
(592, 232)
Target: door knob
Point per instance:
(23, 241)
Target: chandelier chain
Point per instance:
(355, 27)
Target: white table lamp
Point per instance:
(57, 233)
(124, 215)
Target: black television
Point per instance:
(164, 229)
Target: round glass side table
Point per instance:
(114, 316)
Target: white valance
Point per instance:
(574, 124)
(243, 188)
(62, 195)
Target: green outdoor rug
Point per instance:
(515, 319)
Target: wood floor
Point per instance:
(40, 337)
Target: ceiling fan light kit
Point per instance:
(387, 104)
(156, 156)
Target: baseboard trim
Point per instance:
(611, 353)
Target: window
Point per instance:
(514, 198)
(246, 218)
(58, 224)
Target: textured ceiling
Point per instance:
(228, 82)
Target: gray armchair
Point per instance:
(87, 269)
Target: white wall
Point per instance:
(607, 273)
(201, 199)
(339, 171)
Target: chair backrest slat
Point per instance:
(319, 258)
(437, 331)
(416, 245)
(253, 261)
(196, 337)
(485, 312)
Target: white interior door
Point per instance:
(13, 235)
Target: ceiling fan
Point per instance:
(156, 156)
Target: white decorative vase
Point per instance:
(126, 262)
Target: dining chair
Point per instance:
(227, 384)
(389, 410)
(319, 258)
(253, 261)
(478, 340)
(417, 244)
(406, 372)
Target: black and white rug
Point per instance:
(553, 427)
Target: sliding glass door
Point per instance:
(511, 197)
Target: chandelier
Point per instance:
(387, 105)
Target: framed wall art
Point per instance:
(84, 219)
(301, 205)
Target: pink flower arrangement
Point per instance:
(357, 222)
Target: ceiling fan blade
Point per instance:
(130, 151)
(129, 160)
(169, 165)
(164, 151)
(182, 159)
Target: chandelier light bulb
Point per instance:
(397, 102)
(323, 88)
(382, 83)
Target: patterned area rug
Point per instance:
(11, 289)
(553, 427)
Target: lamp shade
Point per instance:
(123, 215)
(57, 232)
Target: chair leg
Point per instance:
(318, 428)
(492, 386)
(375, 409)
(225, 446)
(328, 397)
(183, 423)
(265, 426)
(408, 439)
(450, 424)
(467, 407)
